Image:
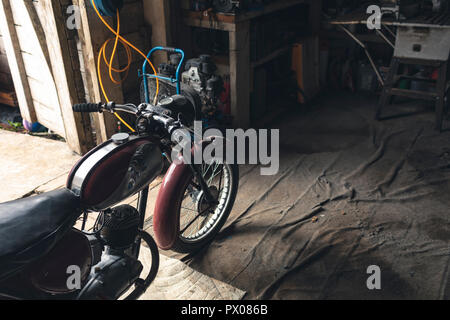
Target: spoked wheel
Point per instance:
(200, 219)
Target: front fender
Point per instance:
(166, 220)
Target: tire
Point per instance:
(184, 244)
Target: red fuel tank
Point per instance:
(115, 170)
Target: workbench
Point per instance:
(238, 28)
(423, 40)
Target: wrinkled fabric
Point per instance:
(351, 192)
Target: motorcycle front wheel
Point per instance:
(199, 220)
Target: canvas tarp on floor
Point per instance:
(378, 193)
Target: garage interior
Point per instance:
(364, 173)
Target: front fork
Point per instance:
(143, 197)
(208, 196)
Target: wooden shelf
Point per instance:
(227, 22)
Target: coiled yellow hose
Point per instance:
(102, 53)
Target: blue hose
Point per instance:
(108, 8)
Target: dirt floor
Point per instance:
(351, 192)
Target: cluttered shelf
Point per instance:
(227, 22)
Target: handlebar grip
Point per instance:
(87, 107)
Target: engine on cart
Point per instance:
(200, 75)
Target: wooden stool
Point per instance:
(390, 90)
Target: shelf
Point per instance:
(227, 22)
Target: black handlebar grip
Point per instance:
(87, 107)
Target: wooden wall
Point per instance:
(54, 67)
(46, 78)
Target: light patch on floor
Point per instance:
(177, 281)
(27, 162)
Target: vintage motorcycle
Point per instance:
(39, 244)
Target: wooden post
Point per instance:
(15, 61)
(157, 14)
(92, 36)
(240, 74)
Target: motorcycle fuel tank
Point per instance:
(115, 170)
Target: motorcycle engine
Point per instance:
(117, 269)
(120, 227)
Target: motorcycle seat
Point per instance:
(29, 227)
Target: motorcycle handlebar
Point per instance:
(87, 107)
(169, 123)
(99, 107)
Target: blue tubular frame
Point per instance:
(177, 74)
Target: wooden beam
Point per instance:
(157, 15)
(15, 61)
(38, 30)
(240, 74)
(77, 126)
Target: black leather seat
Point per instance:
(30, 227)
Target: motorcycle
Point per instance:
(41, 250)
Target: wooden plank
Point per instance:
(156, 14)
(36, 68)
(191, 19)
(240, 75)
(46, 117)
(77, 126)
(8, 98)
(221, 21)
(38, 89)
(16, 62)
(37, 29)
